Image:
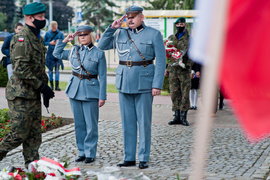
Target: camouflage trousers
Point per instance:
(25, 117)
(179, 88)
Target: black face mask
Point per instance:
(39, 24)
(180, 29)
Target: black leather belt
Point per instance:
(84, 76)
(135, 63)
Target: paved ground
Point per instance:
(230, 156)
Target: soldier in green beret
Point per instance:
(179, 77)
(29, 80)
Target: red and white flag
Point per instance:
(245, 59)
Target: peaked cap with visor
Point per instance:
(133, 11)
(84, 29)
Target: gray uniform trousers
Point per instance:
(136, 108)
(86, 126)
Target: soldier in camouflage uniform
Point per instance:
(23, 90)
(179, 78)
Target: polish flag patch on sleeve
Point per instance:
(21, 39)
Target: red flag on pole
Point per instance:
(244, 66)
(245, 59)
(239, 52)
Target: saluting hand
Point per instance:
(69, 37)
(117, 23)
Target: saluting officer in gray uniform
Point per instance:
(86, 92)
(137, 79)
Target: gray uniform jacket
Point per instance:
(93, 61)
(137, 79)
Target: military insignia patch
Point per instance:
(21, 39)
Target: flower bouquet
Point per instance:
(174, 55)
(43, 169)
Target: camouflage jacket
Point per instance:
(27, 54)
(181, 44)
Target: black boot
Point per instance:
(176, 119)
(57, 86)
(51, 82)
(184, 118)
(3, 154)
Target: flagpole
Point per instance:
(209, 91)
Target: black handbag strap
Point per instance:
(132, 42)
(78, 56)
(54, 35)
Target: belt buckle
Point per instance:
(80, 76)
(129, 63)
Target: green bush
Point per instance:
(4, 115)
(3, 76)
(166, 86)
(46, 122)
(4, 123)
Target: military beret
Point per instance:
(34, 8)
(180, 20)
(85, 28)
(132, 11)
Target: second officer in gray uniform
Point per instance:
(86, 92)
(137, 79)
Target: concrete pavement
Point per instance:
(230, 156)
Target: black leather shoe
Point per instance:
(127, 164)
(143, 165)
(80, 159)
(89, 160)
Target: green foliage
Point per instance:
(3, 77)
(188, 4)
(170, 5)
(97, 13)
(8, 8)
(4, 123)
(46, 122)
(61, 12)
(166, 86)
(157, 5)
(3, 19)
(65, 159)
(4, 115)
(52, 121)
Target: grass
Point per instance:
(62, 85)
(110, 88)
(111, 69)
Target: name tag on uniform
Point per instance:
(21, 39)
